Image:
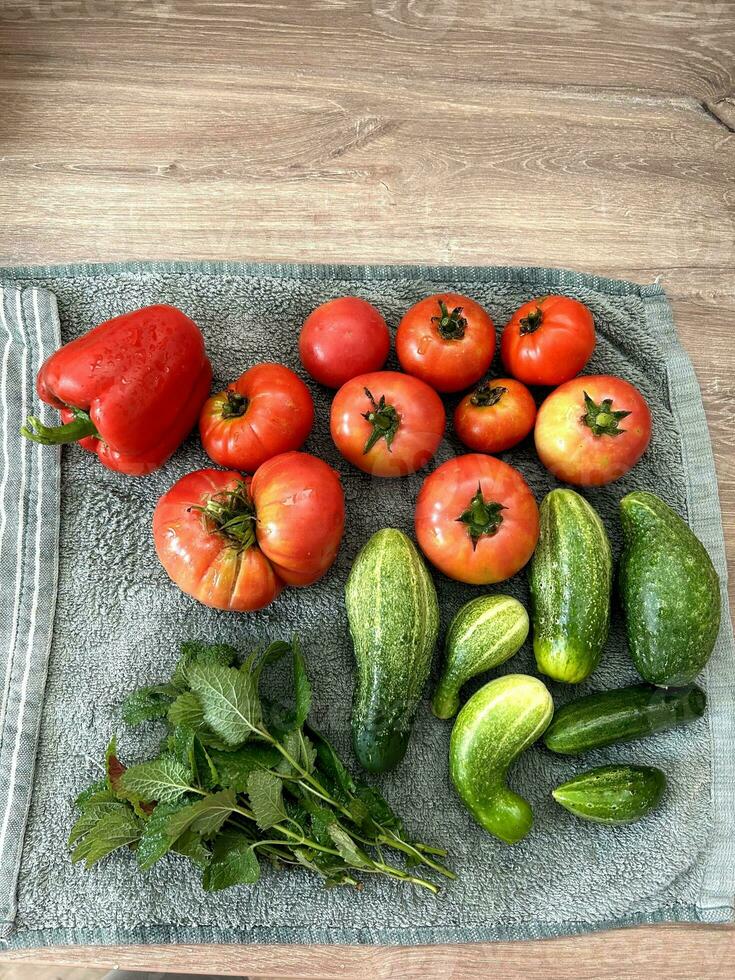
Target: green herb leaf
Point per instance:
(302, 687)
(155, 841)
(349, 850)
(191, 846)
(164, 780)
(260, 659)
(234, 862)
(204, 654)
(204, 769)
(181, 745)
(186, 710)
(301, 750)
(112, 831)
(234, 768)
(229, 701)
(147, 703)
(265, 793)
(93, 790)
(90, 818)
(205, 817)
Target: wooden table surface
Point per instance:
(575, 133)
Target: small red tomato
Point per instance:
(548, 341)
(495, 416)
(343, 338)
(267, 411)
(387, 423)
(592, 430)
(476, 519)
(447, 340)
(232, 542)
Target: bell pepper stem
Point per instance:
(57, 435)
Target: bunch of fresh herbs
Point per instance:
(239, 780)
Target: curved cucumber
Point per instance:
(485, 633)
(394, 621)
(571, 581)
(607, 717)
(669, 590)
(612, 794)
(498, 722)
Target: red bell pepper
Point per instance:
(130, 389)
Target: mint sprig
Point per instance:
(240, 780)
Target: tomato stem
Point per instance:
(452, 325)
(231, 513)
(235, 406)
(487, 394)
(385, 421)
(56, 435)
(601, 419)
(531, 321)
(482, 517)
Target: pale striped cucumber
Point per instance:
(394, 621)
(485, 633)
(498, 722)
(612, 794)
(571, 581)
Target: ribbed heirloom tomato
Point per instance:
(387, 423)
(476, 519)
(548, 341)
(267, 411)
(592, 430)
(233, 542)
(495, 416)
(447, 340)
(343, 338)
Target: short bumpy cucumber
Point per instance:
(394, 620)
(612, 794)
(670, 592)
(571, 581)
(607, 717)
(485, 633)
(498, 722)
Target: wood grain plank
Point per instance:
(705, 952)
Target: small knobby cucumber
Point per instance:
(571, 582)
(485, 633)
(612, 794)
(669, 590)
(607, 717)
(393, 614)
(498, 722)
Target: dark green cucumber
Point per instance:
(485, 633)
(669, 590)
(612, 794)
(394, 621)
(607, 717)
(571, 581)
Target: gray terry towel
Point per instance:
(119, 620)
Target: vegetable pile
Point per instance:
(240, 780)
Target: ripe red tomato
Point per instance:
(476, 519)
(343, 338)
(495, 416)
(387, 423)
(232, 542)
(592, 430)
(548, 341)
(267, 411)
(447, 340)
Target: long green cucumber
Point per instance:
(498, 722)
(393, 614)
(485, 633)
(571, 581)
(607, 717)
(669, 590)
(612, 794)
